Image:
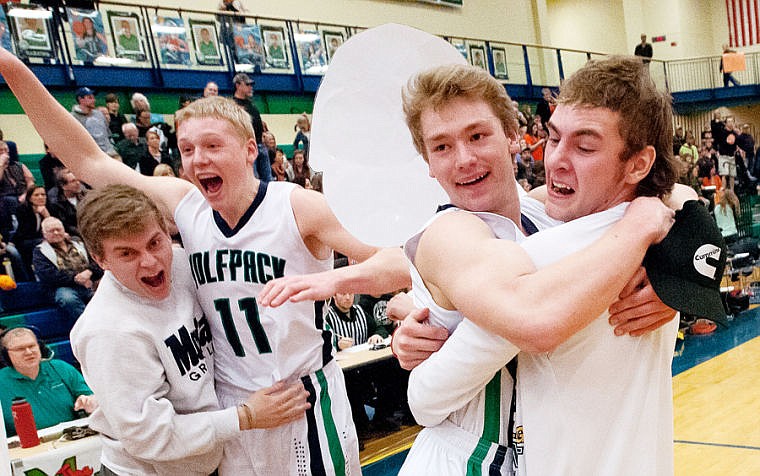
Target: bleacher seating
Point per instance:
(28, 305)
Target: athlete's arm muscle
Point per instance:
(494, 283)
(73, 144)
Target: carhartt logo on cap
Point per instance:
(700, 260)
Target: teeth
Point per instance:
(561, 186)
(473, 180)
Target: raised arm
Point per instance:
(494, 283)
(381, 270)
(71, 141)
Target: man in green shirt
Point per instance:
(53, 388)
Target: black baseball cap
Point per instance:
(686, 267)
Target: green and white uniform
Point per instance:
(258, 346)
(467, 425)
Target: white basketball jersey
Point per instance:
(255, 346)
(490, 407)
(599, 404)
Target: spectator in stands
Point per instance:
(303, 134)
(535, 141)
(54, 389)
(64, 267)
(143, 121)
(30, 215)
(644, 49)
(15, 178)
(49, 165)
(678, 140)
(184, 100)
(163, 170)
(689, 148)
(116, 118)
(131, 148)
(211, 89)
(139, 102)
(278, 166)
(63, 200)
(728, 77)
(92, 120)
(300, 170)
(725, 212)
(19, 269)
(545, 106)
(727, 155)
(243, 85)
(374, 307)
(153, 154)
(746, 143)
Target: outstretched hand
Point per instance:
(305, 287)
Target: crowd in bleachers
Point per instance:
(721, 167)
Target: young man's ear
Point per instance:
(640, 164)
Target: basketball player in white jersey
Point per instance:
(240, 234)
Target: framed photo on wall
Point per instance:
(275, 47)
(172, 40)
(332, 41)
(478, 56)
(5, 32)
(499, 63)
(127, 35)
(249, 45)
(88, 34)
(206, 42)
(311, 52)
(32, 36)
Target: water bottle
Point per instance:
(8, 267)
(23, 419)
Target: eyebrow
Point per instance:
(472, 125)
(576, 133)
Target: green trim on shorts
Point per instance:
(491, 425)
(333, 441)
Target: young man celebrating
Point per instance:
(239, 233)
(145, 347)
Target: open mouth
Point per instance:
(562, 189)
(474, 181)
(156, 280)
(211, 184)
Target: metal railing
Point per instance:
(169, 50)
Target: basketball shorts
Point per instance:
(323, 442)
(448, 450)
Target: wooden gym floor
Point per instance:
(716, 393)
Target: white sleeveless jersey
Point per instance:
(599, 404)
(255, 346)
(480, 408)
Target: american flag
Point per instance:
(743, 22)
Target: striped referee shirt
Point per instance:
(353, 324)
